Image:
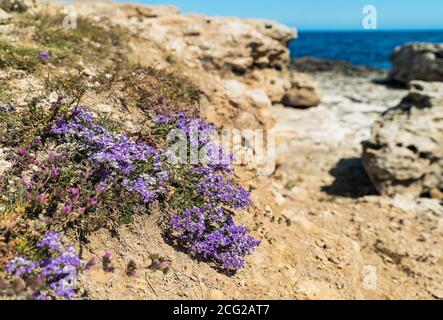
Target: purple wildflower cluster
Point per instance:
(53, 276)
(209, 230)
(199, 134)
(212, 233)
(217, 189)
(117, 155)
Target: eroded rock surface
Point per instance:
(417, 61)
(405, 152)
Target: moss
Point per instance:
(18, 57)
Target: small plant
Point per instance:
(203, 222)
(159, 263)
(131, 268)
(51, 274)
(107, 262)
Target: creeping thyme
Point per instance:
(55, 274)
(209, 230)
(107, 262)
(116, 154)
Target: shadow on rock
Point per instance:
(351, 180)
(390, 83)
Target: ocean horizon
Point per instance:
(359, 47)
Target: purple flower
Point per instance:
(52, 240)
(217, 189)
(44, 55)
(21, 152)
(43, 198)
(93, 202)
(57, 272)
(107, 262)
(212, 233)
(116, 154)
(20, 266)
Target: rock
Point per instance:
(436, 194)
(237, 46)
(259, 98)
(417, 61)
(302, 94)
(316, 65)
(404, 154)
(103, 108)
(5, 18)
(4, 165)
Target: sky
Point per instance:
(322, 14)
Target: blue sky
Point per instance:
(322, 14)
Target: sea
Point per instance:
(363, 48)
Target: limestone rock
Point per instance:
(302, 94)
(405, 152)
(417, 61)
(4, 17)
(236, 45)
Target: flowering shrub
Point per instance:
(74, 171)
(54, 274)
(139, 165)
(212, 233)
(207, 229)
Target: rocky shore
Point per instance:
(332, 219)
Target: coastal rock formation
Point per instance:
(417, 61)
(303, 92)
(405, 152)
(211, 51)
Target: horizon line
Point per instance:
(368, 31)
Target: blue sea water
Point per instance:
(365, 48)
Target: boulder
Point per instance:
(404, 154)
(417, 61)
(303, 92)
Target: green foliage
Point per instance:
(91, 40)
(21, 128)
(70, 86)
(18, 57)
(152, 90)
